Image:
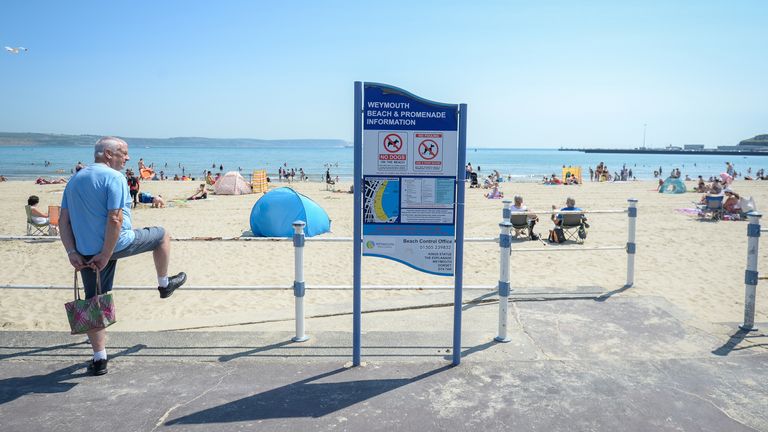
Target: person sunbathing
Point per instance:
(200, 194)
(42, 181)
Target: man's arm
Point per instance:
(111, 234)
(68, 239)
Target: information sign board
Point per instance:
(410, 168)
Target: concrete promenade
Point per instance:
(574, 364)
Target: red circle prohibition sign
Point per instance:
(428, 149)
(393, 143)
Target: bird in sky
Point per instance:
(16, 50)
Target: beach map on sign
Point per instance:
(381, 202)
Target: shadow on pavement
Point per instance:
(54, 382)
(304, 398)
(735, 340)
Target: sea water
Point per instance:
(29, 162)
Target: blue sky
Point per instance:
(534, 74)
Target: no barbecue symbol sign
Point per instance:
(428, 154)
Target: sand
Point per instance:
(697, 266)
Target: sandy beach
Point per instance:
(697, 266)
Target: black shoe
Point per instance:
(173, 283)
(98, 367)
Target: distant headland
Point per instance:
(755, 146)
(42, 139)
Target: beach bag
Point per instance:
(556, 235)
(582, 232)
(96, 312)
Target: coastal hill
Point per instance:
(40, 139)
(757, 140)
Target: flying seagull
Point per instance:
(15, 50)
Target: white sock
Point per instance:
(100, 355)
(162, 281)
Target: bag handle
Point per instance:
(98, 284)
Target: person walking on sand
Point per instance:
(95, 225)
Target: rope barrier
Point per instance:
(504, 240)
(268, 287)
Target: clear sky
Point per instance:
(534, 74)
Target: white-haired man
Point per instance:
(95, 225)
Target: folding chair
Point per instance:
(571, 223)
(520, 224)
(53, 220)
(34, 228)
(712, 207)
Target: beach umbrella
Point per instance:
(275, 212)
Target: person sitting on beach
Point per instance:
(495, 193)
(79, 166)
(732, 201)
(38, 217)
(715, 189)
(519, 207)
(570, 205)
(554, 180)
(209, 178)
(42, 181)
(200, 194)
(2, 178)
(176, 177)
(701, 186)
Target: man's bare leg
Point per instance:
(162, 256)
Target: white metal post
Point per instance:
(750, 275)
(298, 279)
(505, 244)
(506, 212)
(631, 245)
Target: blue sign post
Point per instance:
(409, 188)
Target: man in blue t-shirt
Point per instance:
(570, 205)
(95, 225)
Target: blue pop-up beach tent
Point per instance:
(672, 185)
(274, 213)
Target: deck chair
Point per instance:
(712, 207)
(34, 228)
(53, 220)
(520, 224)
(571, 223)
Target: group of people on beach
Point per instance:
(556, 217)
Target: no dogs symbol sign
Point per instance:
(428, 152)
(393, 151)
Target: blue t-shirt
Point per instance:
(559, 216)
(89, 195)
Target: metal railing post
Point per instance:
(506, 212)
(505, 244)
(750, 275)
(298, 279)
(631, 245)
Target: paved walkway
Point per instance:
(574, 364)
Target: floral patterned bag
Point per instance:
(93, 313)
